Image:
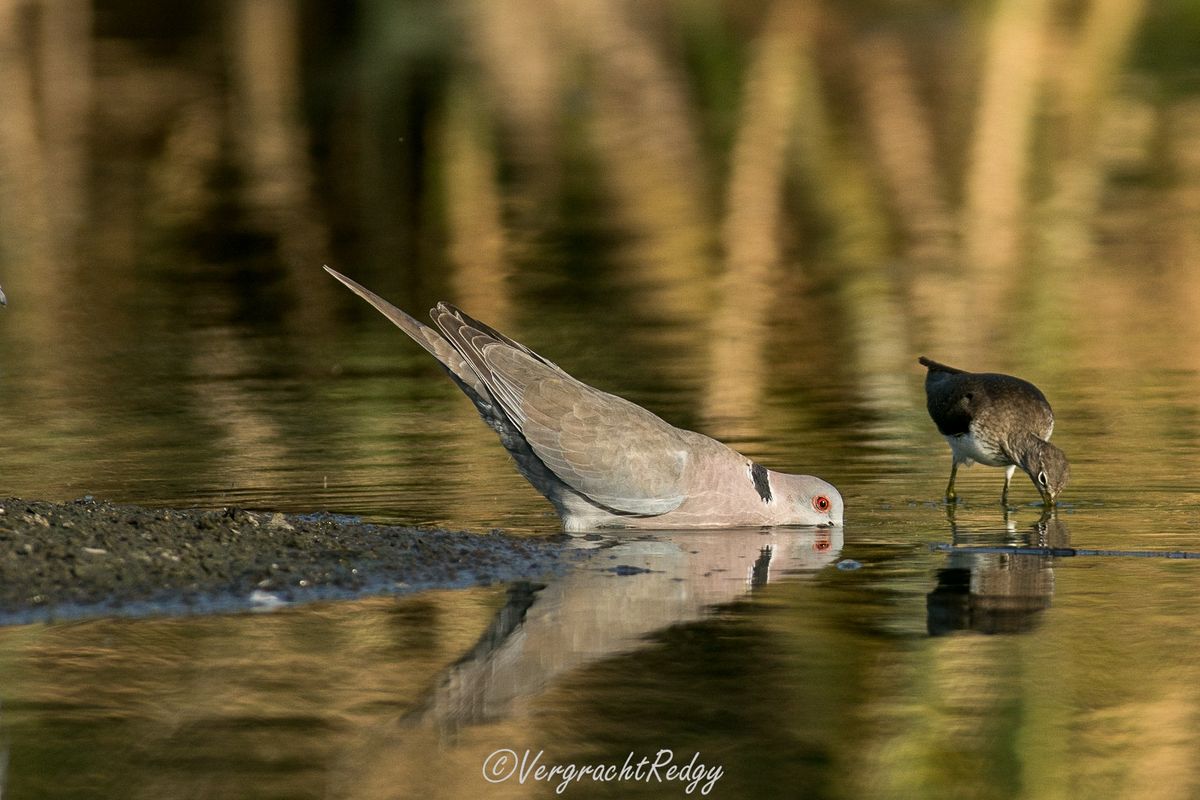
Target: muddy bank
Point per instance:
(85, 558)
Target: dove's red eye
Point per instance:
(821, 503)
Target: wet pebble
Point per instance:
(628, 569)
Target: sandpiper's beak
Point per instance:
(1048, 497)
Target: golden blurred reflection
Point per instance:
(750, 217)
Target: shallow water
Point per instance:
(749, 219)
(858, 662)
(848, 663)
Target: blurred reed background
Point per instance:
(750, 216)
(792, 193)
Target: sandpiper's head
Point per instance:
(1048, 469)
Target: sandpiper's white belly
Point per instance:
(967, 448)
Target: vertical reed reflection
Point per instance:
(1183, 229)
(902, 135)
(1001, 157)
(520, 47)
(480, 266)
(24, 204)
(917, 181)
(273, 141)
(66, 97)
(753, 225)
(643, 132)
(1086, 86)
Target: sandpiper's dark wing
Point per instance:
(955, 398)
(949, 395)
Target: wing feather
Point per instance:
(612, 451)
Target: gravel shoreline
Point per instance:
(89, 558)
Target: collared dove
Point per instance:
(997, 420)
(603, 461)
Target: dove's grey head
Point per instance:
(807, 500)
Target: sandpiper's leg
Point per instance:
(1008, 473)
(950, 495)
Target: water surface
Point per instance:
(751, 218)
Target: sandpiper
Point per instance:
(997, 420)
